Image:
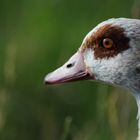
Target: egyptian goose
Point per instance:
(109, 53)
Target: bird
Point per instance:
(109, 53)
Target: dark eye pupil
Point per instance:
(69, 65)
(107, 42)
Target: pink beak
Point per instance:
(73, 70)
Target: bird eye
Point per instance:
(107, 43)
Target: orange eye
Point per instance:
(107, 43)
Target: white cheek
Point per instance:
(110, 70)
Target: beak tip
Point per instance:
(46, 81)
(49, 79)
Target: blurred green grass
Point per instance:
(35, 38)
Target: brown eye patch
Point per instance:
(118, 42)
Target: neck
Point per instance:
(137, 97)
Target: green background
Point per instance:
(37, 36)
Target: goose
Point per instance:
(109, 53)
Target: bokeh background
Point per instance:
(37, 36)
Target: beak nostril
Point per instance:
(70, 65)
